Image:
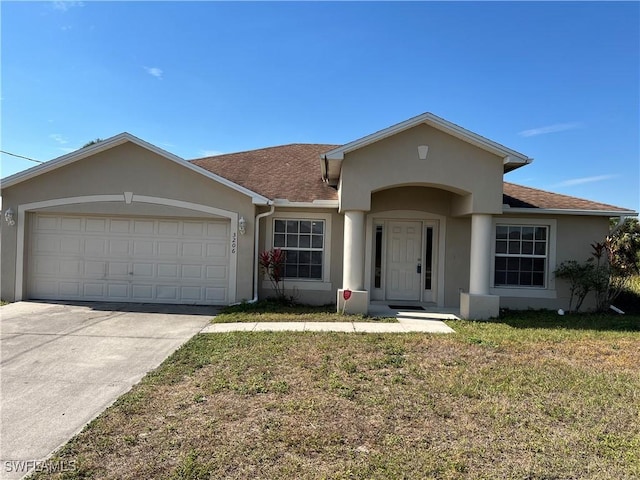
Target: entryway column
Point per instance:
(480, 254)
(353, 264)
(353, 268)
(478, 304)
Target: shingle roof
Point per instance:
(289, 172)
(517, 196)
(293, 172)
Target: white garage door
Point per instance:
(140, 259)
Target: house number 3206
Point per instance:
(234, 242)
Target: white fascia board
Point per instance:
(439, 123)
(281, 202)
(563, 211)
(65, 159)
(114, 141)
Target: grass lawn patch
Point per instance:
(559, 399)
(273, 311)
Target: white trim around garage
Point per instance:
(126, 197)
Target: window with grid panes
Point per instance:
(521, 256)
(303, 243)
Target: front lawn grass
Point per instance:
(275, 311)
(530, 396)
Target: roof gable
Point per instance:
(511, 158)
(115, 141)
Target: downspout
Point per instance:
(325, 175)
(256, 240)
(621, 220)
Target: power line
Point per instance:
(21, 156)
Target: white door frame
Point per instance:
(128, 198)
(427, 219)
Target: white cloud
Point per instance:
(579, 181)
(64, 6)
(154, 71)
(58, 138)
(557, 127)
(209, 153)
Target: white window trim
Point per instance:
(550, 281)
(304, 284)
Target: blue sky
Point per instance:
(559, 82)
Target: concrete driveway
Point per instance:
(63, 364)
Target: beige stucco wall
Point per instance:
(423, 199)
(127, 168)
(451, 164)
(575, 234)
(457, 258)
(334, 243)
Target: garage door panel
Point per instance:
(94, 246)
(143, 247)
(71, 245)
(70, 224)
(218, 230)
(117, 247)
(95, 225)
(119, 226)
(95, 269)
(47, 223)
(192, 250)
(94, 290)
(215, 295)
(70, 289)
(46, 288)
(193, 229)
(218, 249)
(217, 273)
(70, 268)
(124, 259)
(143, 291)
(192, 271)
(118, 291)
(168, 249)
(143, 270)
(118, 269)
(193, 293)
(167, 292)
(47, 266)
(168, 271)
(166, 227)
(47, 244)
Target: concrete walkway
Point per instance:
(404, 325)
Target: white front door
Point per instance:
(404, 246)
